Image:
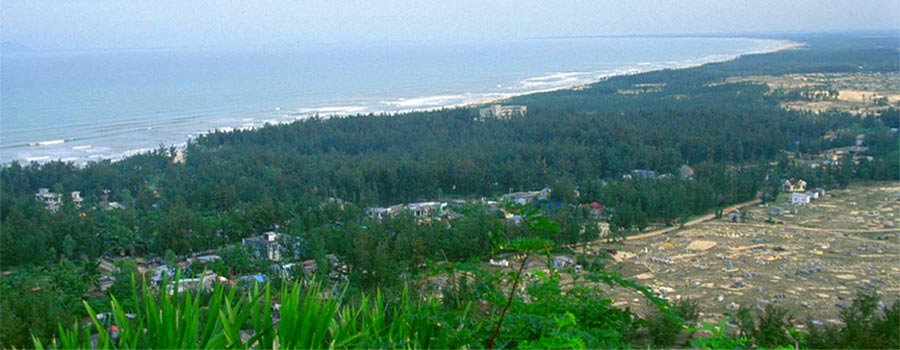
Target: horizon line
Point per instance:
(10, 46)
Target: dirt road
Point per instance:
(693, 222)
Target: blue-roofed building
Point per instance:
(257, 278)
(260, 278)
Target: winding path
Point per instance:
(695, 221)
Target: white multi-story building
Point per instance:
(501, 112)
(51, 200)
(76, 198)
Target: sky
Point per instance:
(75, 24)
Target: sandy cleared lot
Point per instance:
(856, 92)
(812, 262)
(860, 96)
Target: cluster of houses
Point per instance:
(806, 197)
(799, 194)
(526, 197)
(685, 172)
(427, 210)
(271, 247)
(420, 210)
(833, 157)
(53, 201)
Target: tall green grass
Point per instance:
(310, 317)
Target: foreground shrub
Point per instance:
(309, 317)
(867, 324)
(664, 328)
(719, 338)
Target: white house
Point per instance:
(800, 198)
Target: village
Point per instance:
(281, 253)
(809, 251)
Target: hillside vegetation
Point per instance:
(313, 180)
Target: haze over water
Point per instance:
(89, 105)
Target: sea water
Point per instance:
(89, 105)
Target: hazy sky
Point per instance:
(54, 24)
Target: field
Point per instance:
(811, 262)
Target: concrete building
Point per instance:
(265, 246)
(501, 112)
(424, 209)
(800, 198)
(523, 198)
(51, 200)
(76, 198)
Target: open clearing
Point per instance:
(851, 92)
(812, 262)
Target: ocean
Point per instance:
(82, 106)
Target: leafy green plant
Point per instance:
(306, 320)
(771, 328)
(309, 317)
(719, 337)
(864, 327)
(564, 335)
(529, 245)
(668, 322)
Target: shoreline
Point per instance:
(421, 104)
(785, 44)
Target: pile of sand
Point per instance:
(701, 245)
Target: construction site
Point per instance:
(810, 259)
